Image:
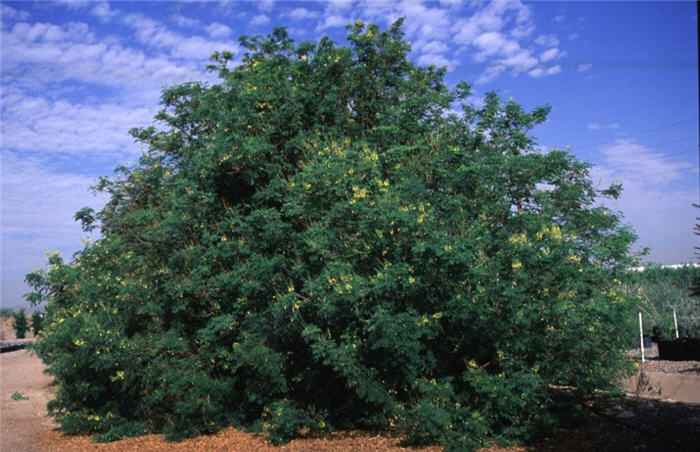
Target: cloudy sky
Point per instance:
(622, 80)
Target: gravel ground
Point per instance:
(654, 364)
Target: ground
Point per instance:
(635, 423)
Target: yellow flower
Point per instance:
(556, 233)
(411, 279)
(359, 193)
(516, 265)
(518, 239)
(574, 258)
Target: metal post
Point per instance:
(675, 321)
(641, 337)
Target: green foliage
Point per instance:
(317, 243)
(16, 396)
(20, 323)
(37, 322)
(658, 290)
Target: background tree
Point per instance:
(317, 243)
(20, 323)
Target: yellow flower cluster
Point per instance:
(574, 258)
(370, 156)
(518, 239)
(358, 193)
(554, 232)
(119, 375)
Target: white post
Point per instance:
(675, 321)
(641, 336)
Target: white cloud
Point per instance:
(626, 159)
(431, 46)
(217, 30)
(490, 43)
(184, 22)
(266, 5)
(554, 70)
(302, 13)
(500, 34)
(260, 19)
(332, 21)
(597, 126)
(537, 72)
(26, 33)
(520, 62)
(584, 67)
(73, 4)
(339, 5)
(103, 11)
(8, 12)
(547, 41)
(35, 124)
(156, 35)
(436, 59)
(52, 53)
(549, 55)
(490, 73)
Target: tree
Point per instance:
(20, 323)
(317, 243)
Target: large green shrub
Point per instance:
(318, 243)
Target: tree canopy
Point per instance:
(331, 238)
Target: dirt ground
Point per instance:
(22, 421)
(633, 424)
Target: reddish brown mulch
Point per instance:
(228, 440)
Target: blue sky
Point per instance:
(621, 77)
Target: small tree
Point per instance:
(37, 322)
(20, 323)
